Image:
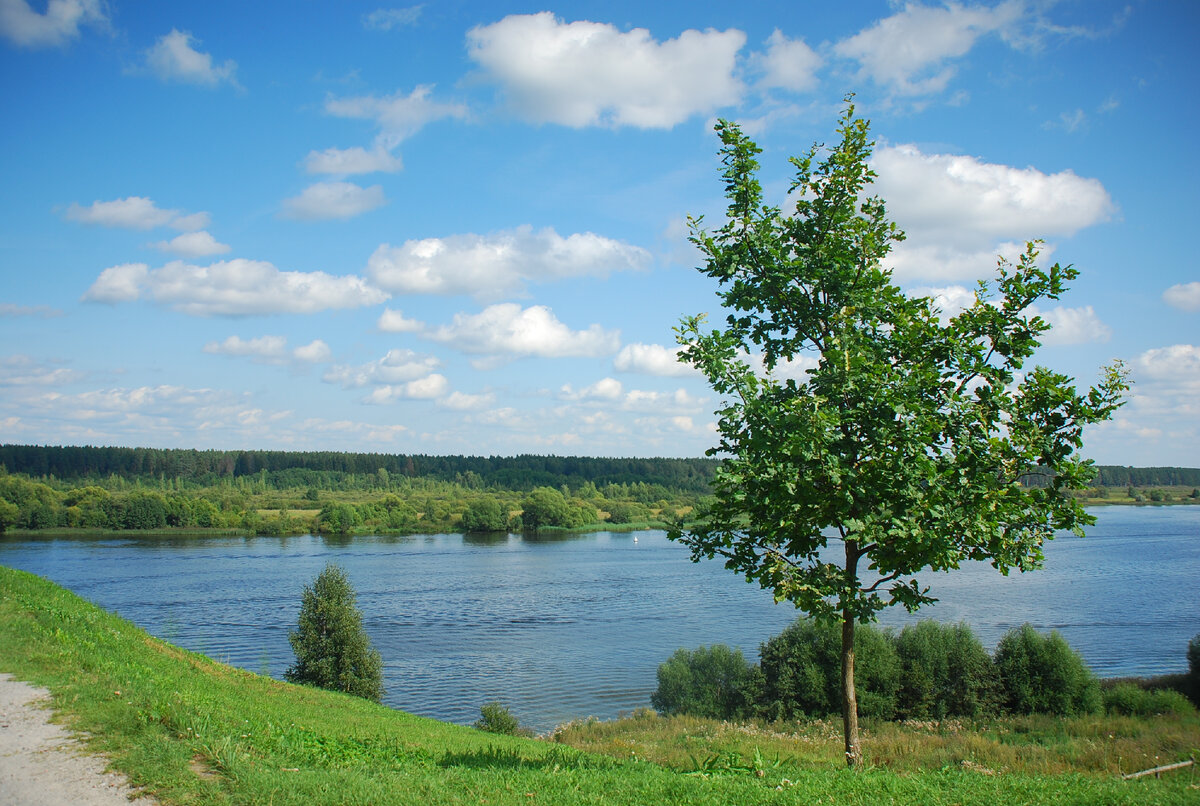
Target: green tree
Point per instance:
(331, 647)
(485, 515)
(904, 444)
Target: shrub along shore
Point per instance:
(189, 730)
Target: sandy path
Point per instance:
(41, 765)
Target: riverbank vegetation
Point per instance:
(192, 731)
(926, 671)
(45, 488)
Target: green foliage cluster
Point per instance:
(359, 471)
(714, 682)
(1127, 699)
(925, 671)
(1041, 674)
(326, 503)
(496, 718)
(802, 665)
(331, 647)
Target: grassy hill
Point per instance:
(192, 731)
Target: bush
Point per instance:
(714, 682)
(495, 718)
(802, 671)
(332, 649)
(1127, 699)
(1042, 674)
(1193, 673)
(944, 671)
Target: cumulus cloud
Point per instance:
(58, 24)
(135, 212)
(1184, 296)
(959, 211)
(507, 330)
(788, 64)
(193, 244)
(1074, 326)
(326, 200)
(461, 401)
(398, 116)
(398, 366)
(232, 287)
(357, 160)
(603, 389)
(651, 359)
(391, 321)
(910, 52)
(385, 19)
(491, 266)
(271, 350)
(427, 388)
(588, 73)
(172, 58)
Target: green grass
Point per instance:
(192, 731)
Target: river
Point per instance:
(567, 627)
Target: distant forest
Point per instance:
(286, 469)
(520, 473)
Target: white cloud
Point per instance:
(398, 116)
(507, 330)
(40, 311)
(391, 321)
(270, 350)
(385, 19)
(959, 211)
(1177, 364)
(232, 287)
(427, 388)
(949, 300)
(59, 23)
(121, 283)
(1184, 296)
(326, 200)
(172, 58)
(315, 352)
(788, 64)
(193, 244)
(21, 370)
(357, 160)
(603, 389)
(135, 212)
(587, 73)
(909, 52)
(460, 401)
(490, 266)
(1074, 326)
(398, 366)
(651, 359)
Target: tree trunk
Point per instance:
(849, 697)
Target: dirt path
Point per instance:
(41, 765)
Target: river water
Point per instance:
(563, 628)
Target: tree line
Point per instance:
(295, 468)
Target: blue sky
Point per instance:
(460, 227)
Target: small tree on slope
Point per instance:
(908, 437)
(332, 649)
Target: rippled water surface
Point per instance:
(564, 628)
